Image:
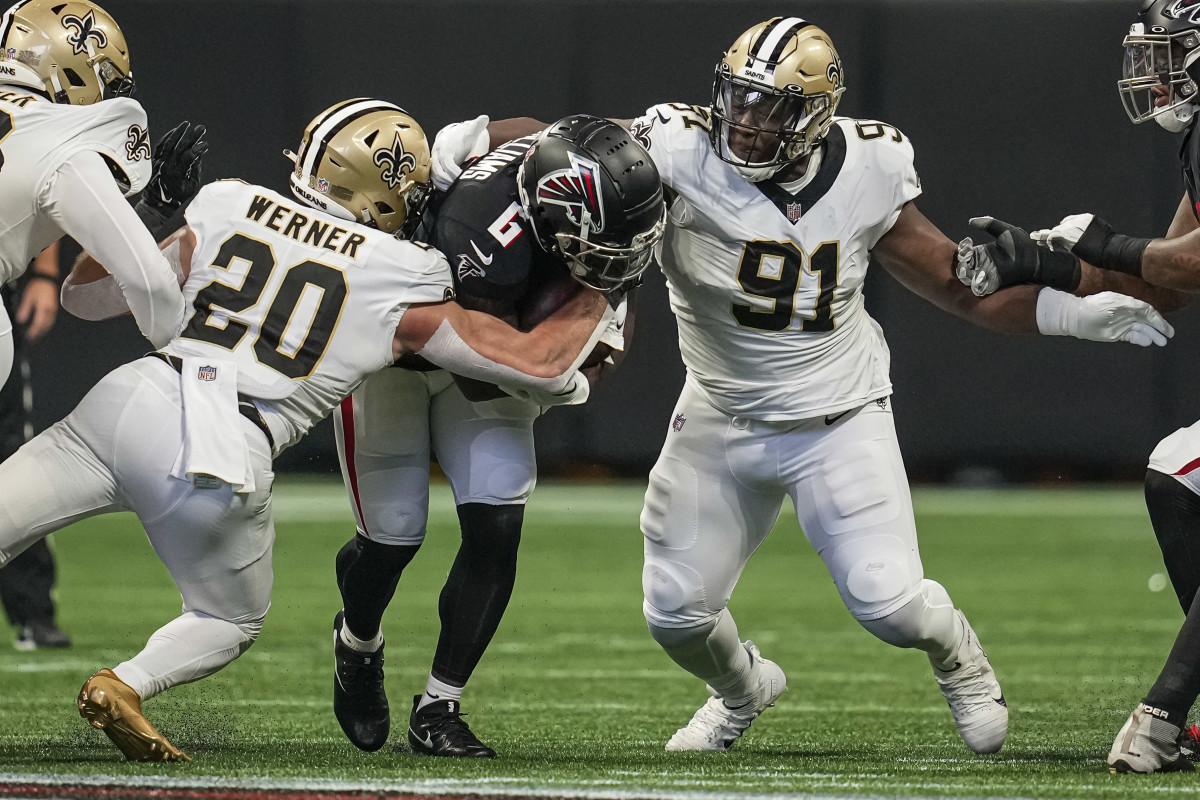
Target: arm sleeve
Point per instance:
(103, 299)
(83, 200)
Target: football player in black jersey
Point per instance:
(579, 200)
(1160, 81)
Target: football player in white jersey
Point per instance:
(292, 305)
(779, 207)
(69, 157)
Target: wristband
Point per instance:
(1057, 270)
(1123, 254)
(33, 276)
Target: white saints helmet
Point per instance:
(367, 161)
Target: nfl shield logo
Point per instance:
(11, 54)
(677, 425)
(207, 373)
(322, 186)
(793, 212)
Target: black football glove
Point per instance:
(176, 177)
(1012, 259)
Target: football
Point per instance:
(548, 297)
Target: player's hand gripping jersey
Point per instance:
(767, 283)
(304, 304)
(60, 169)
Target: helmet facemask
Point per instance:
(1154, 73)
(760, 129)
(603, 266)
(774, 96)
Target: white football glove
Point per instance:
(1065, 235)
(1104, 317)
(455, 144)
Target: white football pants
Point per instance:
(717, 490)
(7, 345)
(114, 452)
(398, 419)
(1178, 455)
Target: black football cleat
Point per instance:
(438, 730)
(359, 701)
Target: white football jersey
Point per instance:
(766, 285)
(304, 303)
(36, 138)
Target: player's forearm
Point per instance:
(502, 131)
(1173, 263)
(85, 203)
(1094, 281)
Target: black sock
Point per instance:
(1175, 512)
(478, 587)
(367, 574)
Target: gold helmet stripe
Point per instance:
(7, 20)
(337, 118)
(770, 44)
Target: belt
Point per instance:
(246, 405)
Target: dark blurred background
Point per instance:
(1011, 105)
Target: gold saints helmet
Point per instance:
(73, 51)
(364, 160)
(774, 96)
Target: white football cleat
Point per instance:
(973, 694)
(716, 726)
(1147, 743)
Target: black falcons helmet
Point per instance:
(1160, 70)
(594, 198)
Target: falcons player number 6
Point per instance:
(6, 126)
(774, 271)
(294, 359)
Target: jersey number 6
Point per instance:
(295, 360)
(775, 270)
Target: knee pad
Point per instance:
(926, 622)
(875, 586)
(674, 594)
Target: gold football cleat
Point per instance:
(110, 704)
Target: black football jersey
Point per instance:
(479, 227)
(1189, 160)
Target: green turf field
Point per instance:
(576, 697)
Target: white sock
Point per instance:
(361, 645)
(436, 691)
(186, 649)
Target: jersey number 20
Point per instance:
(774, 270)
(297, 360)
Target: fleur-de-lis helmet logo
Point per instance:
(83, 30)
(395, 162)
(137, 146)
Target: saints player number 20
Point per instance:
(299, 355)
(775, 270)
(6, 126)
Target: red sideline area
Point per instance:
(68, 792)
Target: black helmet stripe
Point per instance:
(770, 44)
(337, 118)
(7, 21)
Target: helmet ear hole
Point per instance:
(384, 208)
(73, 77)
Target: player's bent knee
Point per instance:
(673, 594)
(674, 635)
(874, 584)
